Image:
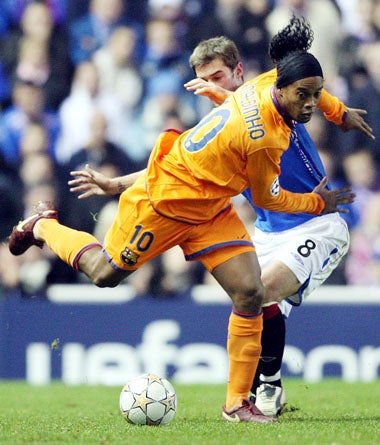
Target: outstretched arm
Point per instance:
(346, 118)
(352, 120)
(268, 194)
(90, 182)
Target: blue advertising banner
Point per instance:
(181, 338)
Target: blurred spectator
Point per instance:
(77, 110)
(164, 62)
(10, 198)
(36, 169)
(38, 268)
(362, 174)
(163, 110)
(367, 96)
(363, 258)
(165, 9)
(332, 163)
(254, 40)
(174, 12)
(91, 31)
(222, 19)
(27, 107)
(363, 31)
(14, 9)
(34, 139)
(9, 273)
(325, 21)
(104, 156)
(33, 64)
(117, 67)
(164, 69)
(100, 152)
(39, 51)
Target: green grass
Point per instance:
(331, 412)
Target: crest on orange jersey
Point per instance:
(129, 257)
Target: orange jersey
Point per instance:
(192, 176)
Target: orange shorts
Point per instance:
(139, 234)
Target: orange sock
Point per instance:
(69, 244)
(244, 348)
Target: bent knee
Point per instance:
(106, 277)
(104, 282)
(249, 299)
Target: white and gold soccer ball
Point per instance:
(148, 400)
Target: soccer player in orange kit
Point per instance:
(184, 199)
(219, 70)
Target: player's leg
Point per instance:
(293, 266)
(240, 278)
(78, 249)
(267, 389)
(229, 255)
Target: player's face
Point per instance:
(220, 74)
(299, 100)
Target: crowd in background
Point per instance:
(95, 81)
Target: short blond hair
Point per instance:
(215, 48)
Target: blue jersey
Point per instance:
(301, 171)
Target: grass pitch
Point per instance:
(330, 412)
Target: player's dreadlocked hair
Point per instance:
(296, 36)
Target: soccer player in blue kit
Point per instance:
(297, 252)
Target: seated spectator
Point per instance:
(254, 40)
(27, 107)
(117, 67)
(91, 31)
(99, 151)
(10, 198)
(164, 109)
(104, 156)
(363, 258)
(34, 139)
(14, 9)
(54, 70)
(33, 62)
(77, 109)
(366, 95)
(220, 17)
(164, 61)
(361, 172)
(9, 273)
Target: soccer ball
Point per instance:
(148, 400)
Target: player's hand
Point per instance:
(334, 198)
(214, 92)
(354, 121)
(89, 182)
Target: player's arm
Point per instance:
(214, 92)
(263, 172)
(90, 182)
(346, 118)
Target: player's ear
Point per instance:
(239, 70)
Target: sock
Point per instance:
(244, 347)
(273, 345)
(67, 243)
